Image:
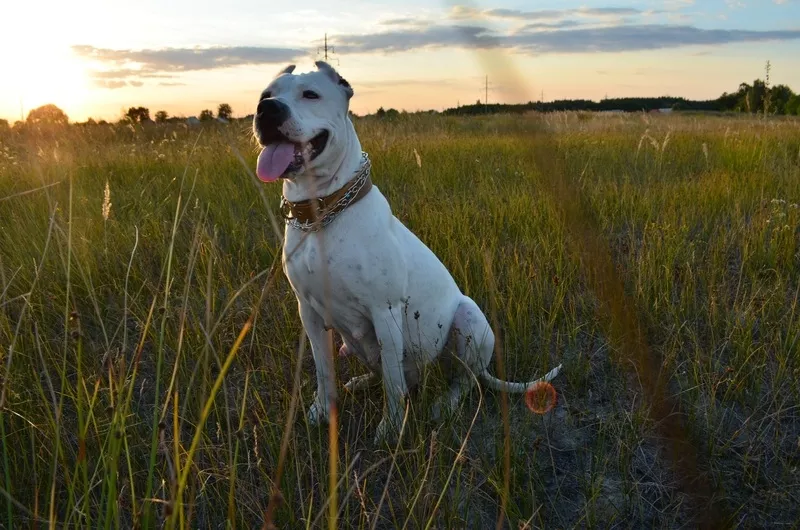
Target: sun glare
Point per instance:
(39, 76)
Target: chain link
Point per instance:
(340, 205)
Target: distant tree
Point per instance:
(102, 122)
(161, 116)
(741, 98)
(90, 122)
(756, 96)
(206, 115)
(47, 115)
(728, 101)
(779, 98)
(380, 113)
(392, 113)
(793, 105)
(4, 125)
(224, 111)
(138, 114)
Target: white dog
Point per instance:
(353, 266)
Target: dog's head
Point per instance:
(301, 122)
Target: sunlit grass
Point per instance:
(148, 353)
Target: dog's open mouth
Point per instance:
(282, 157)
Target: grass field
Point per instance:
(148, 356)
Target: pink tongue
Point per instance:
(273, 161)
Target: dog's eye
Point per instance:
(310, 94)
(266, 94)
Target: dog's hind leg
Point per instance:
(474, 344)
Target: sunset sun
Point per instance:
(41, 75)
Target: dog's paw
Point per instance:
(317, 414)
(361, 382)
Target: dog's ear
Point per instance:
(288, 70)
(334, 75)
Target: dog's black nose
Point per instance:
(271, 112)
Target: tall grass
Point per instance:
(149, 350)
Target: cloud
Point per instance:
(164, 62)
(436, 36)
(406, 21)
(546, 26)
(117, 83)
(618, 38)
(110, 83)
(598, 12)
(128, 72)
(641, 37)
(470, 13)
(186, 59)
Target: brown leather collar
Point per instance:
(318, 212)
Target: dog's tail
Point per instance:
(516, 388)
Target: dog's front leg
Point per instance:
(388, 322)
(321, 349)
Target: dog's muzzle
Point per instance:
(271, 113)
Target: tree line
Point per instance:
(757, 98)
(50, 115)
(142, 114)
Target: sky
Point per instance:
(95, 58)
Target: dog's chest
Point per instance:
(324, 270)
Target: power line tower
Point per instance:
(325, 49)
(486, 93)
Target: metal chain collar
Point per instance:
(340, 205)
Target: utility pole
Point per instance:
(485, 94)
(325, 49)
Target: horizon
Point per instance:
(98, 60)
